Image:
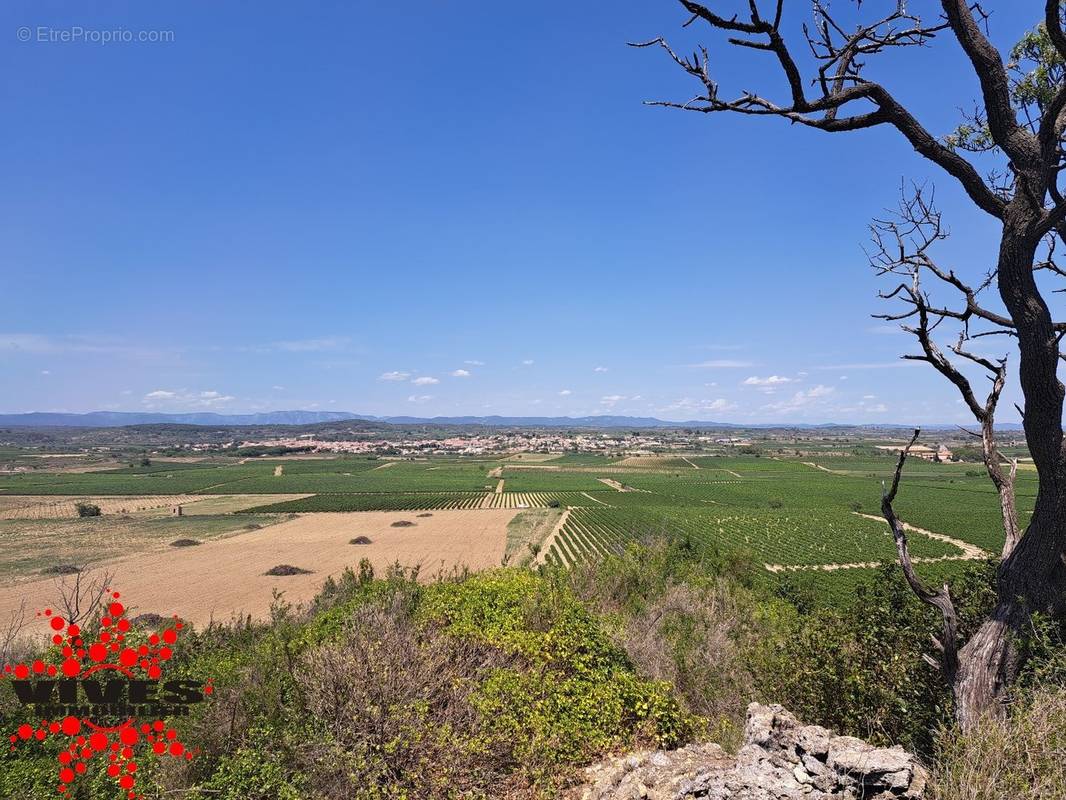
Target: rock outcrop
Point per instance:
(780, 760)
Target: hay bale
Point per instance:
(185, 543)
(359, 540)
(286, 569)
(403, 523)
(61, 569)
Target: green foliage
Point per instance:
(257, 770)
(859, 669)
(1037, 69)
(575, 694)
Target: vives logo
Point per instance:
(106, 698)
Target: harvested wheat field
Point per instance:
(225, 578)
(61, 507)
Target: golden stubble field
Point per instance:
(224, 578)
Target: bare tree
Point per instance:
(11, 634)
(1019, 121)
(79, 599)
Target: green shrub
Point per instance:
(87, 509)
(573, 695)
(257, 770)
(859, 669)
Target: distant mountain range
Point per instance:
(116, 419)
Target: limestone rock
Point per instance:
(780, 760)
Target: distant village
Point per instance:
(553, 442)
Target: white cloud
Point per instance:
(720, 363)
(46, 372)
(801, 399)
(565, 393)
(460, 373)
(23, 343)
(600, 369)
(419, 398)
(185, 399)
(869, 397)
(474, 363)
(772, 380)
(527, 362)
(394, 376)
(324, 345)
(611, 400)
(871, 365)
(691, 405)
(278, 388)
(425, 380)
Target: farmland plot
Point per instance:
(395, 501)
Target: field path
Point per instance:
(823, 469)
(550, 540)
(386, 465)
(694, 466)
(621, 487)
(499, 486)
(594, 500)
(969, 552)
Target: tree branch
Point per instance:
(940, 598)
(840, 88)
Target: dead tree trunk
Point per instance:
(1022, 120)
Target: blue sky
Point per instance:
(445, 208)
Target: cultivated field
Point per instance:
(809, 518)
(226, 577)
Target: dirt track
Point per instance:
(224, 578)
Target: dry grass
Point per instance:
(224, 576)
(29, 546)
(392, 697)
(1022, 757)
(528, 531)
(47, 507)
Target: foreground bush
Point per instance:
(488, 686)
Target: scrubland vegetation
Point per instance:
(503, 684)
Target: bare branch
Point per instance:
(939, 598)
(82, 598)
(839, 79)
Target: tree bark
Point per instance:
(1031, 577)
